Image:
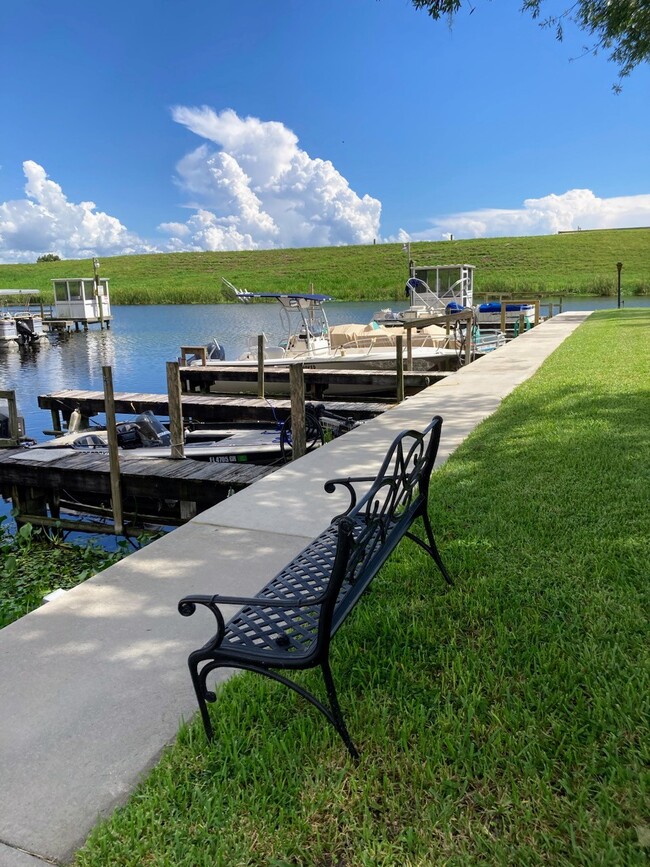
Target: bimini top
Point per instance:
(298, 296)
(287, 299)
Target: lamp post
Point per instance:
(619, 266)
(406, 248)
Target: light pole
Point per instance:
(406, 248)
(619, 266)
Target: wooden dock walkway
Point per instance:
(220, 409)
(318, 380)
(40, 482)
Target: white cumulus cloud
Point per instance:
(174, 228)
(250, 186)
(46, 221)
(257, 188)
(575, 209)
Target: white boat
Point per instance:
(22, 326)
(310, 339)
(490, 313)
(436, 290)
(147, 437)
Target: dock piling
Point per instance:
(399, 366)
(114, 461)
(175, 411)
(260, 366)
(297, 385)
(13, 423)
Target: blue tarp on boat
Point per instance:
(495, 307)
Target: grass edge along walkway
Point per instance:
(502, 722)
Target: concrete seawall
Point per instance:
(94, 684)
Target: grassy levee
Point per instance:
(501, 722)
(578, 263)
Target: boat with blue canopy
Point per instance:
(309, 338)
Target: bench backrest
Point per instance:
(372, 527)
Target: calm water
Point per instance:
(139, 342)
(142, 339)
(137, 346)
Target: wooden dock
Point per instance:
(42, 482)
(68, 324)
(45, 484)
(210, 408)
(319, 381)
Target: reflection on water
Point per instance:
(139, 342)
(142, 339)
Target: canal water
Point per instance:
(143, 338)
(138, 344)
(140, 341)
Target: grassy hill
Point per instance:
(577, 263)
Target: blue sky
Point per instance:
(161, 125)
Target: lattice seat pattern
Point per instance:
(280, 631)
(289, 624)
(270, 630)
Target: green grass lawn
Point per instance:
(581, 262)
(501, 722)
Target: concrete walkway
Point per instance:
(94, 684)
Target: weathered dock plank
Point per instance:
(200, 407)
(316, 379)
(83, 475)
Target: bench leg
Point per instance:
(333, 714)
(339, 722)
(431, 548)
(198, 682)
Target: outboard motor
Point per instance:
(5, 426)
(152, 432)
(25, 329)
(128, 435)
(215, 351)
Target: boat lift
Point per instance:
(81, 301)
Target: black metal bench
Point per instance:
(289, 624)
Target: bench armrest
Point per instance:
(187, 607)
(349, 483)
